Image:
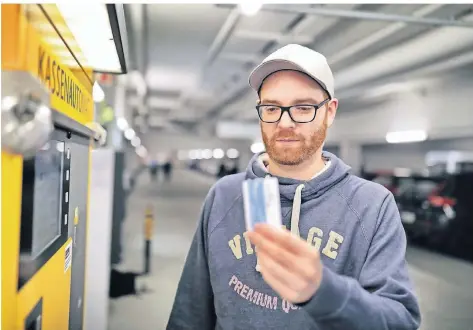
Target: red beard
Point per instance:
(297, 154)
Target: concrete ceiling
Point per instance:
(195, 58)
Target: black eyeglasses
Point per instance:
(299, 113)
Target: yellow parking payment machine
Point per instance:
(46, 106)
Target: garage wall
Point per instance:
(412, 155)
(444, 110)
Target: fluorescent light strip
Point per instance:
(90, 26)
(141, 151)
(218, 154)
(406, 136)
(232, 153)
(207, 154)
(250, 7)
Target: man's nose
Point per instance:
(286, 121)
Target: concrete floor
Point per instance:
(444, 285)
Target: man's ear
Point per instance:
(332, 107)
(258, 102)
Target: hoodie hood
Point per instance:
(336, 172)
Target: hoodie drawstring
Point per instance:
(296, 210)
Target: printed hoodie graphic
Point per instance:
(353, 223)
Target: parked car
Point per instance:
(385, 178)
(451, 162)
(393, 179)
(411, 196)
(449, 216)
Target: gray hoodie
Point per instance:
(355, 225)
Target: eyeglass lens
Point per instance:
(299, 113)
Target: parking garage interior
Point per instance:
(390, 78)
(182, 117)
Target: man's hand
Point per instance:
(288, 264)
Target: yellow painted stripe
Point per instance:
(12, 167)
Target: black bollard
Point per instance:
(148, 237)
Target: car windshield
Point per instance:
(425, 188)
(419, 188)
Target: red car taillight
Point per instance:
(439, 201)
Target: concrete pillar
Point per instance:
(351, 154)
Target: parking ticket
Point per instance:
(262, 203)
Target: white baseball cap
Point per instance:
(298, 58)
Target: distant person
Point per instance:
(233, 168)
(222, 170)
(153, 170)
(167, 170)
(194, 164)
(340, 264)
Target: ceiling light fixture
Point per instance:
(250, 7)
(198, 154)
(92, 30)
(129, 133)
(406, 136)
(141, 151)
(218, 153)
(257, 147)
(122, 123)
(136, 141)
(207, 154)
(232, 153)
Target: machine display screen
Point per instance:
(47, 196)
(43, 176)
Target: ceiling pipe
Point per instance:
(379, 35)
(219, 42)
(414, 52)
(233, 97)
(223, 36)
(366, 15)
(447, 63)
